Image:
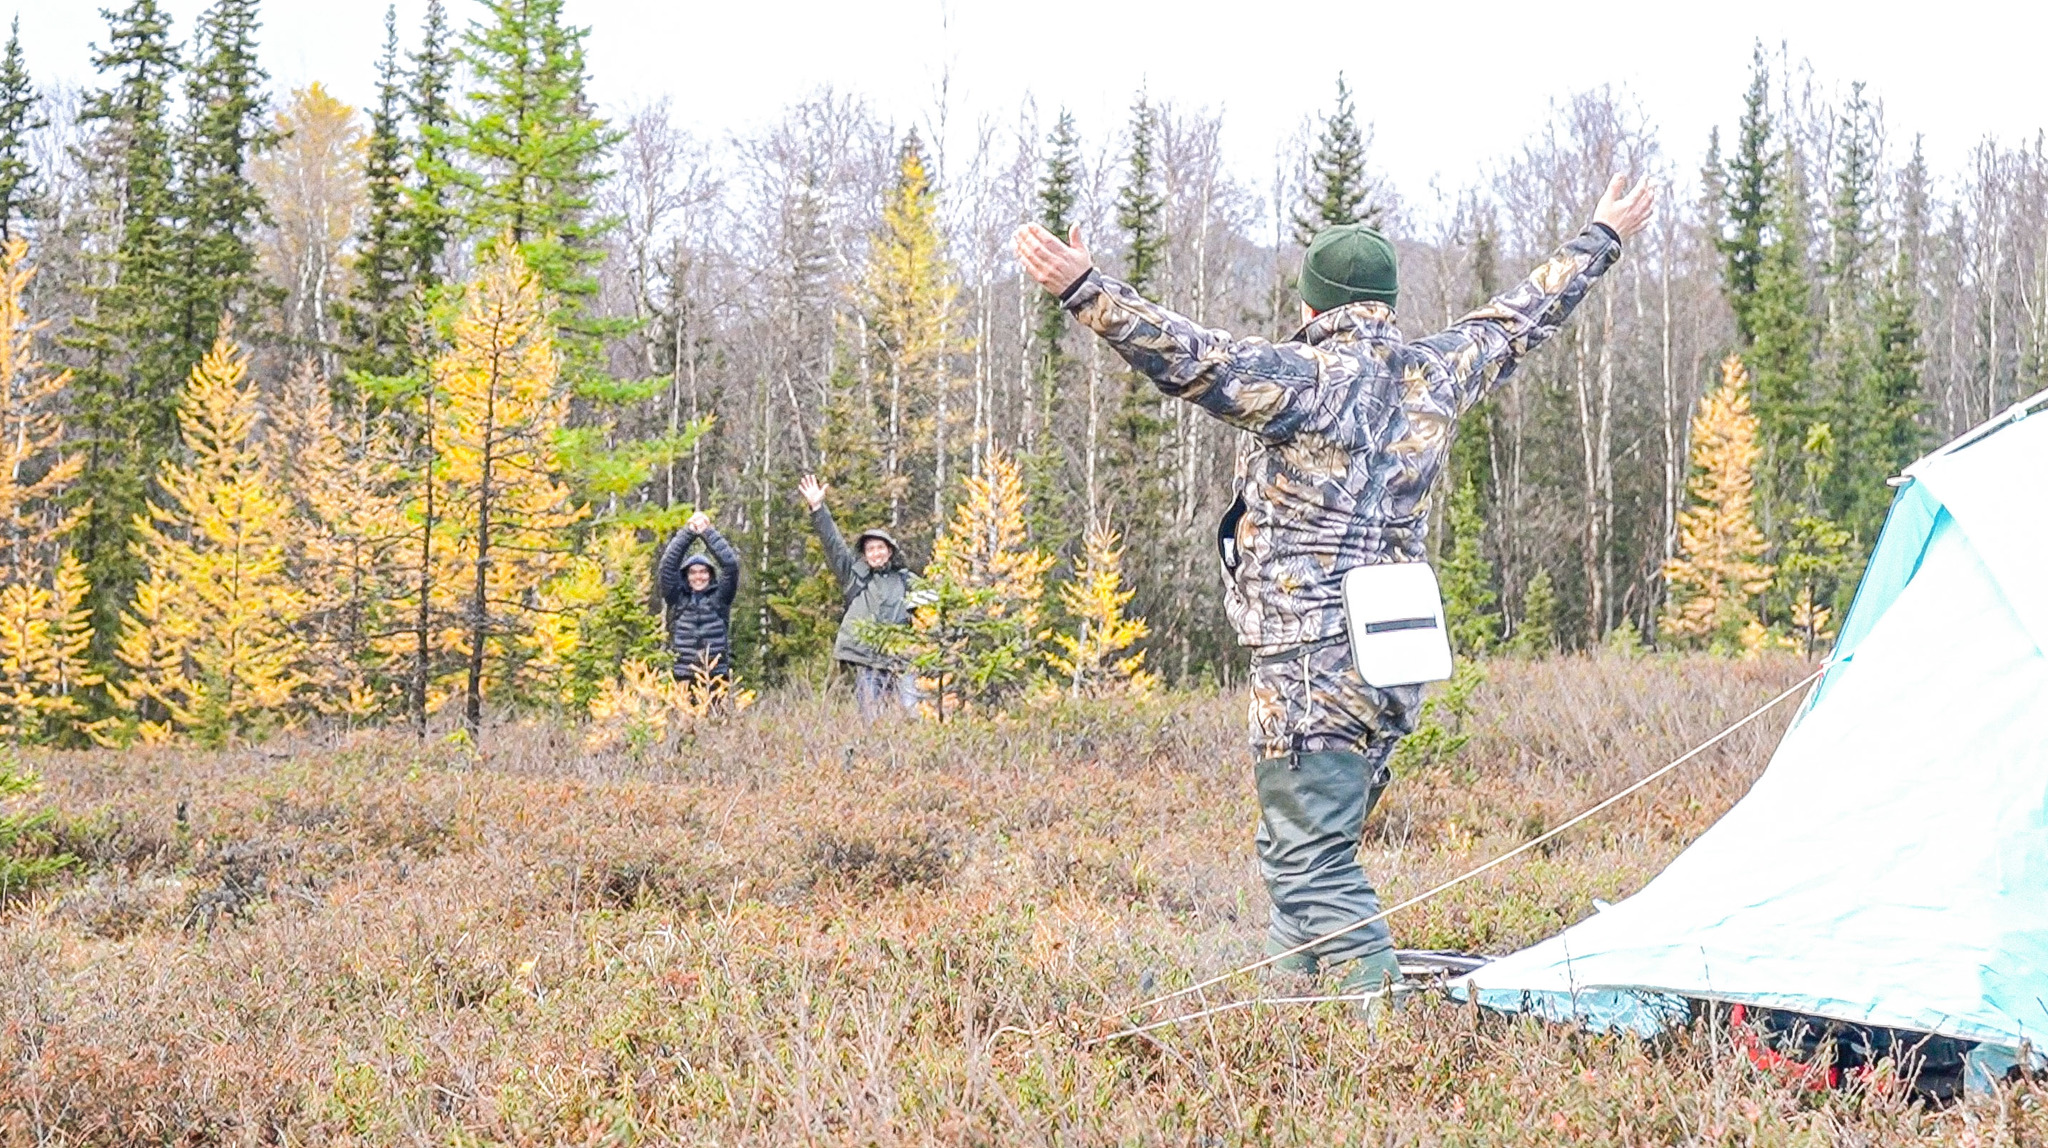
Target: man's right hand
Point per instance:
(1626, 214)
(812, 490)
(1056, 266)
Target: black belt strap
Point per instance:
(1293, 652)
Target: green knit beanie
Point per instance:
(1348, 263)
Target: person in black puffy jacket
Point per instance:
(699, 592)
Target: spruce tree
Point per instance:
(1845, 394)
(1536, 635)
(1059, 193)
(1140, 209)
(20, 116)
(227, 122)
(1469, 599)
(527, 155)
(127, 388)
(1890, 436)
(1141, 213)
(1746, 185)
(1059, 196)
(1337, 189)
(1852, 211)
(1472, 442)
(375, 323)
(1782, 352)
(427, 219)
(1138, 451)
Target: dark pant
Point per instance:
(1312, 809)
(875, 688)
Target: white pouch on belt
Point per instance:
(1395, 615)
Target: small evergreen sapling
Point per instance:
(25, 859)
(1467, 577)
(1536, 636)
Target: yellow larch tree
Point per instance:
(975, 631)
(340, 470)
(1096, 659)
(312, 181)
(909, 299)
(44, 626)
(1713, 581)
(502, 531)
(211, 641)
(988, 546)
(45, 633)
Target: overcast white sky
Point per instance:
(1448, 88)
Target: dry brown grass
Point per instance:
(797, 932)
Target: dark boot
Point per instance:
(1303, 963)
(1375, 979)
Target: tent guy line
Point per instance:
(1446, 886)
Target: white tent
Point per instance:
(1890, 867)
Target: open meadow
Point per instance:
(789, 930)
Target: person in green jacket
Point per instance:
(877, 587)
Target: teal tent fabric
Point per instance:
(1890, 866)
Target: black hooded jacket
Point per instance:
(700, 621)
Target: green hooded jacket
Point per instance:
(879, 596)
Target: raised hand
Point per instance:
(812, 490)
(1054, 265)
(1626, 214)
(698, 523)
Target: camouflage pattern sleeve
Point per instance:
(1273, 390)
(1481, 350)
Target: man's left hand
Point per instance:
(1626, 214)
(699, 523)
(1054, 265)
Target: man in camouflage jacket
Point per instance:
(1347, 425)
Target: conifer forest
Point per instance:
(381, 414)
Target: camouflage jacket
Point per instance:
(1347, 425)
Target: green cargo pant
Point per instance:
(1324, 738)
(1311, 812)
